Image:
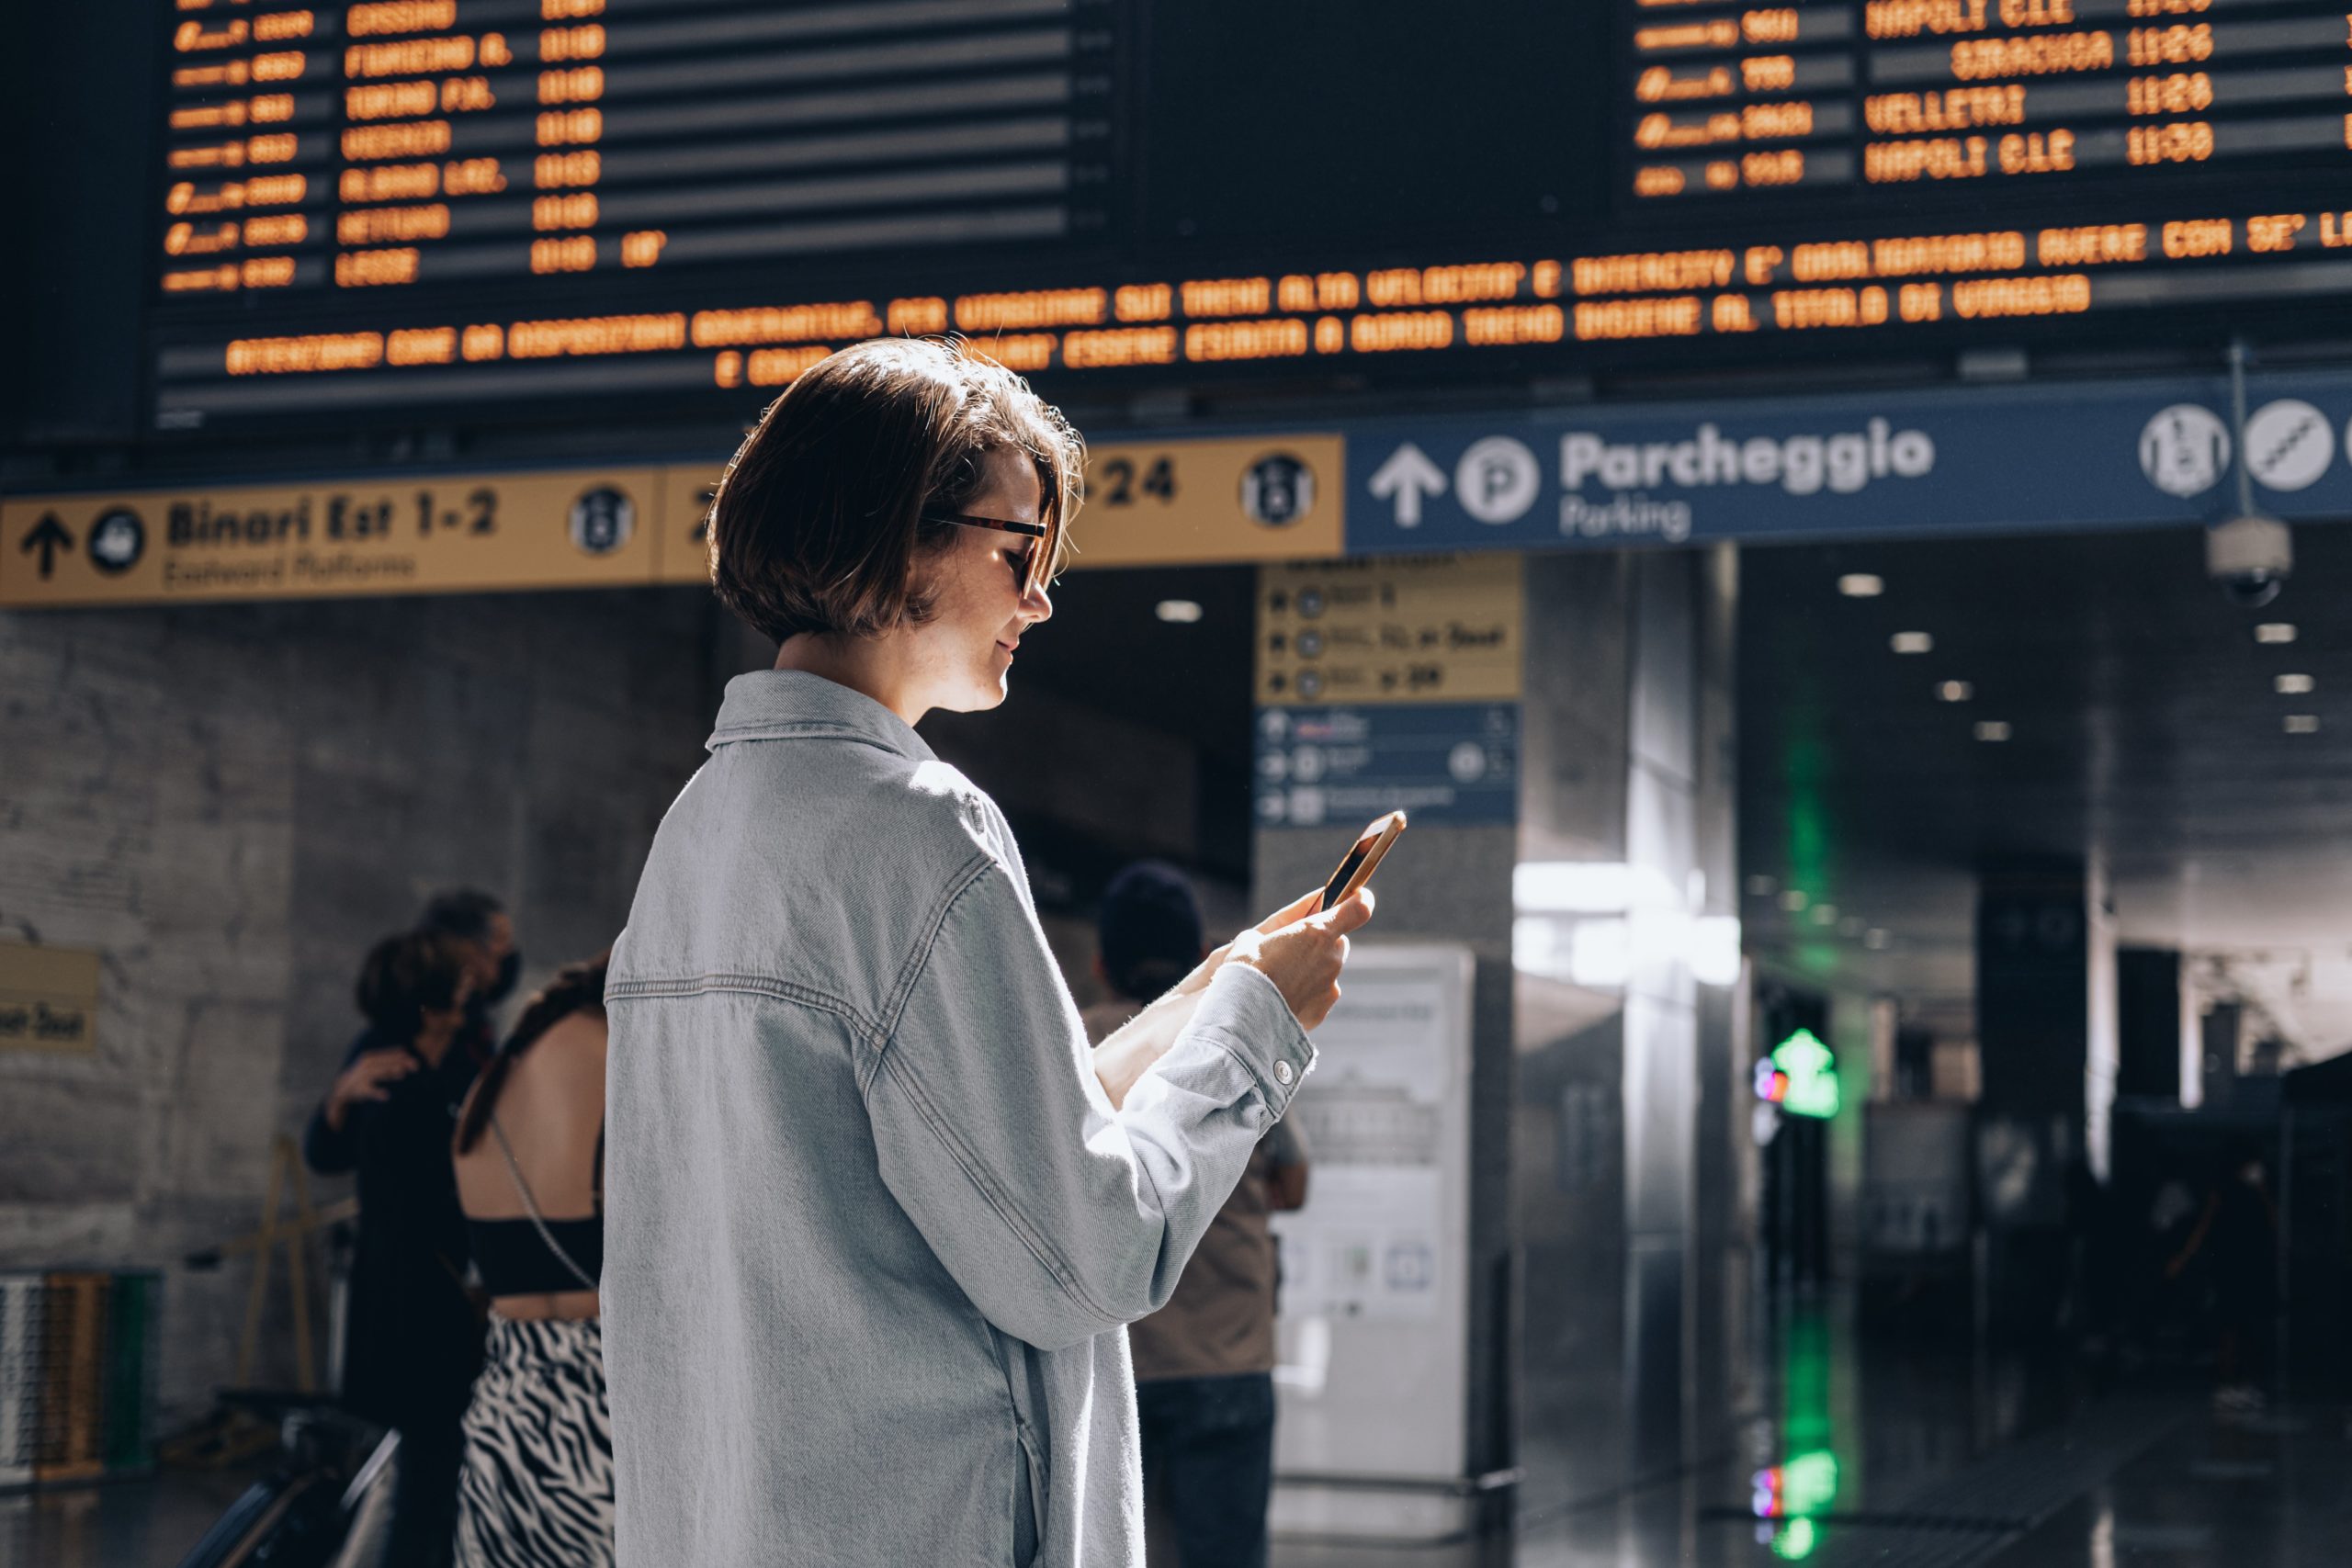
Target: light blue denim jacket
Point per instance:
(872, 1229)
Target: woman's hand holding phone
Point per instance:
(1127, 1055)
(1303, 955)
(1198, 980)
(1305, 922)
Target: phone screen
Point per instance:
(1339, 883)
(1361, 861)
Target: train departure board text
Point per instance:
(484, 210)
(1900, 94)
(402, 144)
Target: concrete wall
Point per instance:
(232, 803)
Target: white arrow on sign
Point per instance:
(1408, 476)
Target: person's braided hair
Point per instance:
(577, 987)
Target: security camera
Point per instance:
(2250, 558)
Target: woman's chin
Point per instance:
(980, 695)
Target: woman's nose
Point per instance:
(1037, 603)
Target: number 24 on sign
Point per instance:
(1119, 481)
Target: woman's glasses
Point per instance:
(1030, 567)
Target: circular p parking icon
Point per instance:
(1497, 480)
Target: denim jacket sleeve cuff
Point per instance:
(1246, 1012)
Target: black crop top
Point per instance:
(514, 1261)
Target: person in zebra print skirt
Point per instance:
(536, 1486)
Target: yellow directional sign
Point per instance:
(49, 997)
(1392, 630)
(682, 555)
(1148, 503)
(1196, 502)
(425, 533)
(1276, 498)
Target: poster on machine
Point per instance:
(1373, 1329)
(1366, 1247)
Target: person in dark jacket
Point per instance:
(414, 1342)
(1204, 1386)
(486, 932)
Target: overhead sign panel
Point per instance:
(1983, 460)
(1444, 763)
(1174, 502)
(1389, 683)
(426, 534)
(1437, 628)
(1268, 498)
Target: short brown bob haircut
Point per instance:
(819, 521)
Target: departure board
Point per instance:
(498, 209)
(410, 142)
(1726, 99)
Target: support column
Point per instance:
(1623, 1191)
(2033, 1033)
(2151, 1024)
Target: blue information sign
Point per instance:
(1990, 459)
(1343, 766)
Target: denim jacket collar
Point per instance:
(778, 704)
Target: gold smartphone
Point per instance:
(1362, 861)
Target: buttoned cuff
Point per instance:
(1245, 1012)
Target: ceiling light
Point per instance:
(1860, 585)
(1177, 612)
(1993, 729)
(1852, 925)
(1914, 642)
(1794, 899)
(2293, 686)
(1761, 887)
(1877, 940)
(2302, 724)
(1824, 914)
(2274, 632)
(1954, 691)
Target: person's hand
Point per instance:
(1304, 957)
(1296, 911)
(370, 1077)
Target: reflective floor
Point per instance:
(1863, 1451)
(123, 1524)
(1924, 1455)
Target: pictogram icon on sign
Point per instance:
(1277, 490)
(2184, 449)
(1403, 480)
(117, 541)
(2288, 444)
(47, 536)
(1496, 479)
(601, 520)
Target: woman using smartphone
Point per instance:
(877, 1214)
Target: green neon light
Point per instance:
(1808, 1483)
(1812, 1072)
(1796, 1542)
